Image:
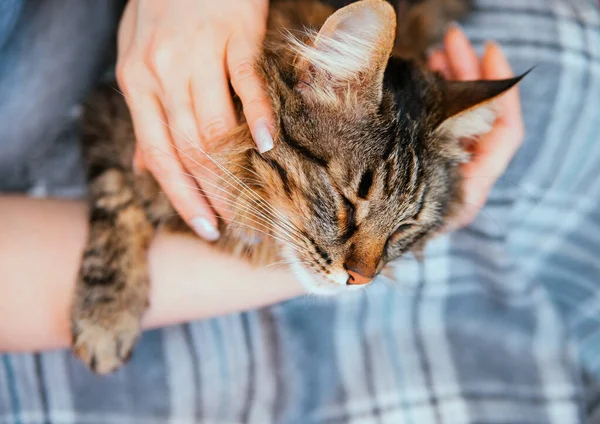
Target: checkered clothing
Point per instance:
(499, 325)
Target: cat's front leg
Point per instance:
(112, 288)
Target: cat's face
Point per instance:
(365, 166)
(361, 190)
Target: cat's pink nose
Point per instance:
(356, 279)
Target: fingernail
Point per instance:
(262, 136)
(205, 229)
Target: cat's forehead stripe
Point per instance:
(365, 184)
(390, 172)
(280, 170)
(390, 140)
(401, 172)
(282, 174)
(416, 168)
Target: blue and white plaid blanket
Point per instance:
(499, 325)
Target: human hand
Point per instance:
(492, 153)
(175, 63)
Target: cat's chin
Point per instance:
(320, 286)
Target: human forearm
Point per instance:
(40, 246)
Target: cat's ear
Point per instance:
(468, 109)
(350, 52)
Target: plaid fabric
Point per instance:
(499, 325)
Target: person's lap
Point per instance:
(484, 331)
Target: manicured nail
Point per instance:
(262, 136)
(205, 229)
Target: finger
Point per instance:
(127, 27)
(211, 100)
(161, 159)
(248, 85)
(193, 153)
(493, 153)
(215, 117)
(463, 60)
(438, 62)
(177, 102)
(507, 133)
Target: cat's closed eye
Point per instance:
(402, 230)
(350, 216)
(404, 227)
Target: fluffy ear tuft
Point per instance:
(352, 48)
(468, 109)
(470, 123)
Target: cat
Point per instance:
(365, 167)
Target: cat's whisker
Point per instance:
(253, 180)
(245, 168)
(249, 196)
(191, 141)
(285, 262)
(165, 217)
(258, 212)
(251, 209)
(283, 221)
(225, 170)
(261, 202)
(270, 235)
(289, 237)
(227, 192)
(243, 202)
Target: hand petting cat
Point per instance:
(175, 63)
(177, 59)
(493, 152)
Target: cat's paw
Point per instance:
(105, 344)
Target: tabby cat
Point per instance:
(365, 165)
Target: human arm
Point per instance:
(41, 242)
